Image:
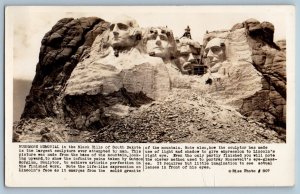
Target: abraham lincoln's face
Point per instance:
(214, 51)
(160, 42)
(122, 33)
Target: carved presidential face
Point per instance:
(160, 42)
(123, 33)
(214, 51)
(188, 52)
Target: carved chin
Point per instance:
(214, 61)
(157, 52)
(117, 43)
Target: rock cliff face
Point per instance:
(62, 48)
(87, 89)
(253, 78)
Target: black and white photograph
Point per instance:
(149, 96)
(140, 78)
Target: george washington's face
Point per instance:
(159, 42)
(122, 33)
(214, 51)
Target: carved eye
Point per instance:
(152, 35)
(163, 37)
(216, 49)
(111, 27)
(206, 50)
(184, 54)
(122, 26)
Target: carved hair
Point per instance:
(135, 34)
(162, 30)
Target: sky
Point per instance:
(31, 23)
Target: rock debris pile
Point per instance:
(186, 117)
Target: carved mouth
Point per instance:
(211, 63)
(157, 48)
(214, 61)
(193, 61)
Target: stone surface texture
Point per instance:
(86, 91)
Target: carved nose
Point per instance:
(115, 33)
(210, 54)
(191, 58)
(158, 42)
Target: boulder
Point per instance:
(252, 25)
(281, 44)
(237, 26)
(62, 48)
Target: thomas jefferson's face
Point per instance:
(158, 43)
(214, 51)
(121, 34)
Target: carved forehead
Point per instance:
(188, 42)
(160, 30)
(125, 20)
(214, 42)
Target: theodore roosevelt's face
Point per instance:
(188, 54)
(158, 42)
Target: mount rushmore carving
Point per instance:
(110, 82)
